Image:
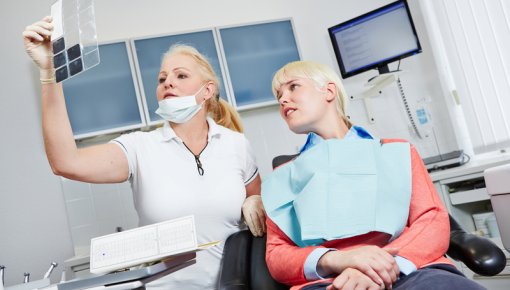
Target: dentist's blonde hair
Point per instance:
(222, 113)
(320, 74)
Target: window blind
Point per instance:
(476, 35)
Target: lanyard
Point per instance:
(197, 158)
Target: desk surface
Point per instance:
(477, 163)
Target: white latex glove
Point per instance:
(254, 215)
(36, 38)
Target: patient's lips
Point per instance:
(288, 110)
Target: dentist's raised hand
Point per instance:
(37, 42)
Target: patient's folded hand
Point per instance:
(254, 215)
(351, 278)
(376, 263)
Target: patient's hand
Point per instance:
(353, 279)
(376, 263)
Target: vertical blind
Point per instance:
(476, 36)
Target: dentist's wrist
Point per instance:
(47, 76)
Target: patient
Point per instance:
(352, 211)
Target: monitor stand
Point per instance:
(375, 86)
(383, 69)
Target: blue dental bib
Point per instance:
(340, 189)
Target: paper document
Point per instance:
(143, 245)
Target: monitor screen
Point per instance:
(374, 39)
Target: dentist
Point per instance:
(197, 163)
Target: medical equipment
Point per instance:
(2, 268)
(498, 187)
(74, 38)
(447, 160)
(26, 284)
(131, 279)
(52, 267)
(408, 110)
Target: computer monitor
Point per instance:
(375, 39)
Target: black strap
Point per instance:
(197, 158)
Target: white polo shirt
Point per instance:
(166, 185)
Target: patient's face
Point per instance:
(302, 104)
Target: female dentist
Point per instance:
(197, 163)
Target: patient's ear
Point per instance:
(330, 91)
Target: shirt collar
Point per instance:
(355, 132)
(167, 133)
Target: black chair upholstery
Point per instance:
(479, 254)
(244, 267)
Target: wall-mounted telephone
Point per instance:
(419, 118)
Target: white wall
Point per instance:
(33, 224)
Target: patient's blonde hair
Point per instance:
(320, 74)
(218, 109)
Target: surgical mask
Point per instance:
(179, 109)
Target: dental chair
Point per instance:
(243, 266)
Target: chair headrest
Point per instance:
(282, 159)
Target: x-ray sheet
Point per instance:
(74, 38)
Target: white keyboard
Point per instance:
(141, 245)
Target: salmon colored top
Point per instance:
(424, 241)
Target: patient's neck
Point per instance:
(335, 129)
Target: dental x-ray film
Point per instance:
(74, 38)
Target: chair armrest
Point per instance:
(235, 264)
(479, 254)
(261, 279)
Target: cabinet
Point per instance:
(119, 94)
(253, 53)
(463, 192)
(105, 99)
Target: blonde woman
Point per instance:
(351, 212)
(198, 163)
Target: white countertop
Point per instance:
(477, 163)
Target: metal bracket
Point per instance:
(376, 85)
